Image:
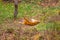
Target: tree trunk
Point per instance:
(16, 8)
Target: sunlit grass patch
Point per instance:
(30, 10)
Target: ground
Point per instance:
(47, 29)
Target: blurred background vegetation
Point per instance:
(47, 11)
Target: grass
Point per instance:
(31, 10)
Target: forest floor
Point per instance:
(47, 29)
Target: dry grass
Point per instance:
(45, 30)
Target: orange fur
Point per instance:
(31, 22)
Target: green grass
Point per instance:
(31, 10)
